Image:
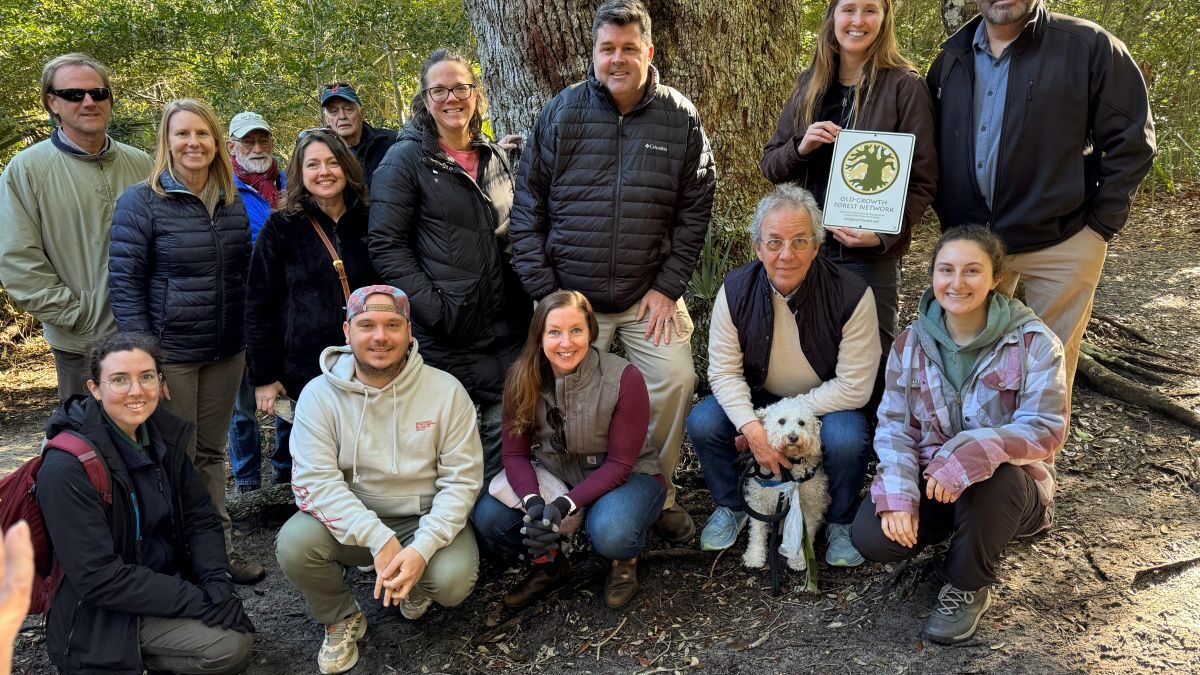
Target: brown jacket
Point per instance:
(900, 102)
(587, 398)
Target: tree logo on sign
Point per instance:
(870, 167)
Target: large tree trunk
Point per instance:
(735, 59)
(957, 12)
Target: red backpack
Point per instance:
(18, 501)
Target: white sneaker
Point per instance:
(339, 652)
(415, 606)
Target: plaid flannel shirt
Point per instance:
(1012, 409)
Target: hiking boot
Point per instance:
(339, 651)
(675, 526)
(245, 573)
(281, 477)
(722, 528)
(246, 489)
(540, 580)
(839, 549)
(621, 584)
(957, 614)
(416, 604)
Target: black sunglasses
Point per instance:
(76, 95)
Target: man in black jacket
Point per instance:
(343, 113)
(613, 200)
(1044, 133)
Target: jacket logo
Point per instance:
(425, 425)
(656, 148)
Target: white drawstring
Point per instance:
(395, 434)
(358, 433)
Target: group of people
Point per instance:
(475, 297)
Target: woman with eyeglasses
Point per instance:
(177, 270)
(440, 204)
(144, 578)
(575, 450)
(296, 296)
(858, 79)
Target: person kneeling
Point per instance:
(146, 582)
(574, 431)
(386, 465)
(973, 413)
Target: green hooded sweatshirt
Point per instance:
(957, 363)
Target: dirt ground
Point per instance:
(1113, 587)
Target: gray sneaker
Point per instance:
(839, 549)
(957, 615)
(722, 528)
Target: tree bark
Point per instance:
(737, 60)
(955, 13)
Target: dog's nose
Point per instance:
(792, 438)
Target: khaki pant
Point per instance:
(314, 562)
(203, 393)
(670, 378)
(189, 646)
(1060, 284)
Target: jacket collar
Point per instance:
(960, 43)
(64, 144)
(602, 92)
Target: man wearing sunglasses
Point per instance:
(344, 114)
(56, 207)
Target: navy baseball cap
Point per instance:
(339, 90)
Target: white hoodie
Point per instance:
(411, 448)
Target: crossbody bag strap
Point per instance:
(338, 265)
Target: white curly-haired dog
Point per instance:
(796, 432)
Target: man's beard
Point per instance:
(1004, 17)
(387, 374)
(254, 165)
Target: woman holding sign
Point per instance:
(858, 80)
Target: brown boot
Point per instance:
(540, 580)
(243, 572)
(675, 526)
(621, 584)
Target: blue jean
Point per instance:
(245, 444)
(616, 523)
(844, 443)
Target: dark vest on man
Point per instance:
(822, 305)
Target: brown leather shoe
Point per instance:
(675, 526)
(621, 584)
(245, 573)
(540, 580)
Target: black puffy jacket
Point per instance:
(177, 273)
(442, 238)
(92, 626)
(294, 302)
(613, 205)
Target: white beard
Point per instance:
(254, 165)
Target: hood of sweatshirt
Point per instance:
(957, 362)
(337, 366)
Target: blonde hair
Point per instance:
(220, 170)
(884, 53)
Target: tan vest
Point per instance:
(586, 399)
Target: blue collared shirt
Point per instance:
(991, 90)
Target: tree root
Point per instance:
(267, 504)
(1112, 384)
(1111, 361)
(1124, 328)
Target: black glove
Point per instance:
(226, 609)
(555, 511)
(539, 539)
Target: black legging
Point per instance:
(985, 518)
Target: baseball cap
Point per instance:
(357, 304)
(245, 122)
(338, 90)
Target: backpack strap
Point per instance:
(81, 449)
